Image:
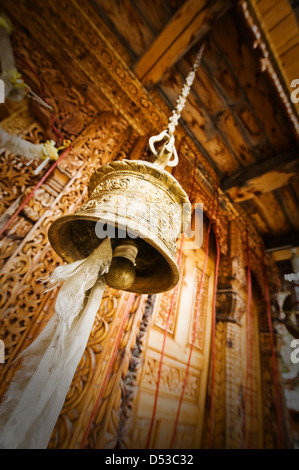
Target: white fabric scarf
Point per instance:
(8, 64)
(37, 393)
(24, 148)
(13, 143)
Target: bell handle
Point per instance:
(167, 150)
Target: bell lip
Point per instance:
(165, 253)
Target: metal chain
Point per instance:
(176, 114)
(166, 136)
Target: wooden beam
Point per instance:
(280, 25)
(189, 24)
(256, 86)
(262, 177)
(283, 253)
(282, 242)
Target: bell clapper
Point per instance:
(121, 274)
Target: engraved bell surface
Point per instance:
(142, 209)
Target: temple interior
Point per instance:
(202, 351)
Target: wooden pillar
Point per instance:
(235, 409)
(276, 416)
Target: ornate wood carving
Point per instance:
(113, 85)
(167, 306)
(103, 432)
(220, 400)
(108, 115)
(231, 290)
(130, 380)
(230, 306)
(183, 437)
(200, 331)
(270, 419)
(172, 378)
(174, 366)
(25, 253)
(234, 424)
(237, 414)
(78, 396)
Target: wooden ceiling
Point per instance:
(235, 113)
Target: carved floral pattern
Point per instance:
(106, 116)
(172, 378)
(202, 310)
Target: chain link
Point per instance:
(163, 157)
(176, 113)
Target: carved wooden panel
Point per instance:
(251, 381)
(234, 411)
(200, 305)
(234, 417)
(26, 256)
(219, 415)
(130, 379)
(177, 348)
(269, 410)
(172, 379)
(183, 437)
(166, 309)
(112, 408)
(98, 422)
(237, 414)
(17, 172)
(139, 432)
(80, 390)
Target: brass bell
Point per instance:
(143, 209)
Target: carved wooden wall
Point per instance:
(178, 342)
(110, 400)
(245, 406)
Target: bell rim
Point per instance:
(157, 244)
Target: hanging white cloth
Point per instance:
(10, 75)
(37, 393)
(14, 87)
(24, 148)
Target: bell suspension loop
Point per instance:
(163, 156)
